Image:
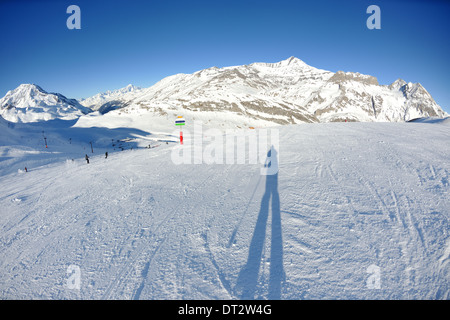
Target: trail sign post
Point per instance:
(180, 122)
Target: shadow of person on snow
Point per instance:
(248, 277)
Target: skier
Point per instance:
(87, 158)
(106, 155)
(26, 170)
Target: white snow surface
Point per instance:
(350, 202)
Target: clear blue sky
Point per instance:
(141, 42)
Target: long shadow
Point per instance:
(248, 277)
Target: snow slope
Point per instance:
(356, 211)
(42, 143)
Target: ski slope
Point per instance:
(356, 211)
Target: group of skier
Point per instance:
(87, 157)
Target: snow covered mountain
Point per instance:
(286, 92)
(30, 103)
(110, 100)
(254, 95)
(356, 97)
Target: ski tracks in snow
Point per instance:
(145, 273)
(142, 228)
(386, 203)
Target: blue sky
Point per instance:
(141, 42)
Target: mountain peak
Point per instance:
(30, 103)
(131, 87)
(291, 61)
(128, 88)
(397, 84)
(29, 87)
(97, 101)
